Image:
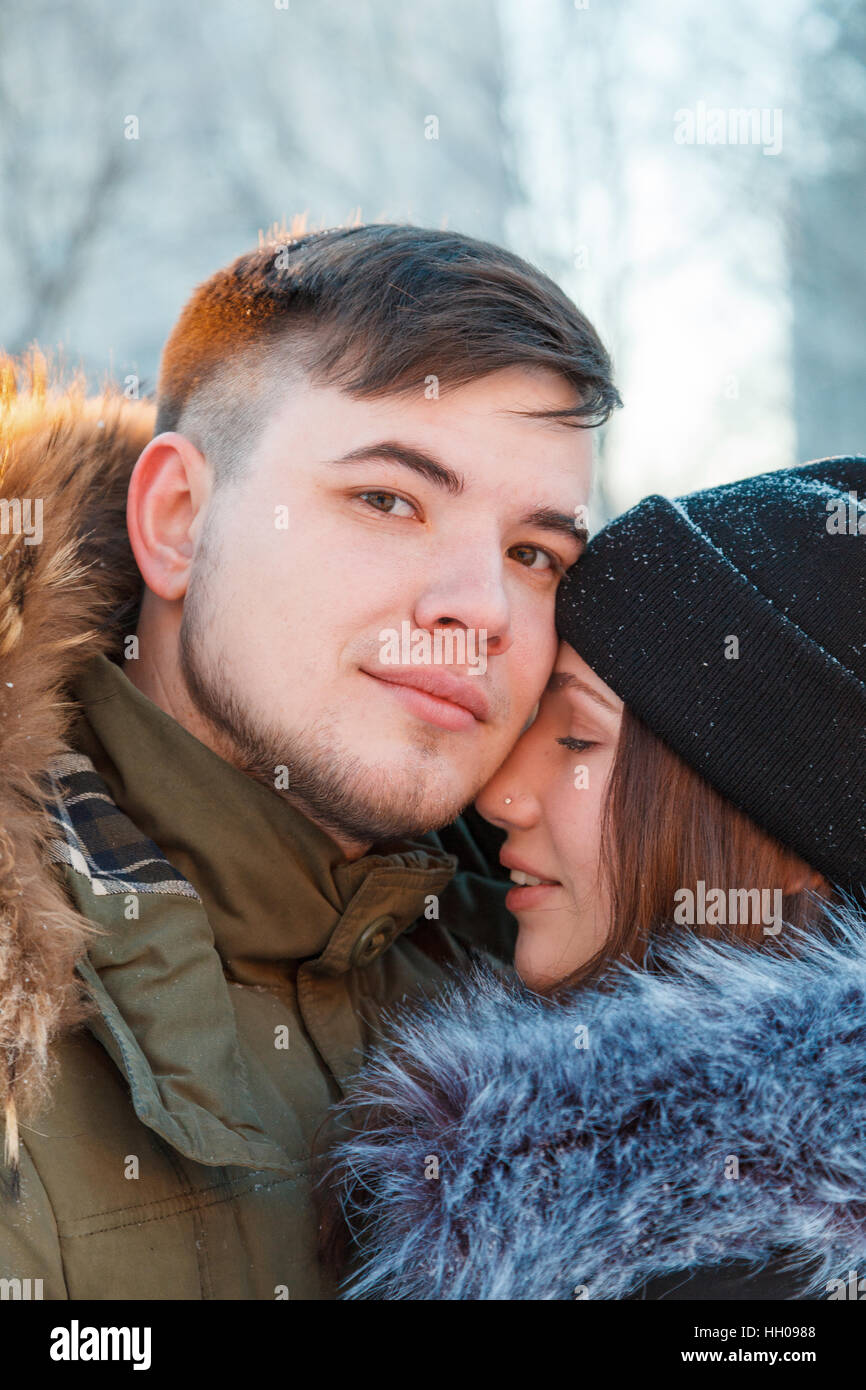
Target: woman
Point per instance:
(670, 1103)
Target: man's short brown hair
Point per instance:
(375, 310)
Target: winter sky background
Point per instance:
(729, 282)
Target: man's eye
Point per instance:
(388, 502)
(532, 557)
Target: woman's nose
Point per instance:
(506, 800)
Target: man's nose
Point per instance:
(469, 590)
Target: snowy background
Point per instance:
(729, 282)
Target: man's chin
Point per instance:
(402, 817)
(358, 784)
(384, 808)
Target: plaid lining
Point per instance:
(99, 841)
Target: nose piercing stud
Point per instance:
(508, 800)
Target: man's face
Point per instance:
(347, 526)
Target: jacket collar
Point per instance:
(274, 885)
(61, 602)
(243, 873)
(668, 1124)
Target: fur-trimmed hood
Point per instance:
(64, 596)
(712, 1113)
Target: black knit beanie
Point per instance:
(733, 623)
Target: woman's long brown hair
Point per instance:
(664, 829)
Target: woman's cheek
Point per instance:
(577, 825)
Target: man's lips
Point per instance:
(438, 686)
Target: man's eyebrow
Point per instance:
(439, 473)
(564, 680)
(548, 519)
(428, 467)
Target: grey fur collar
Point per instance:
(594, 1168)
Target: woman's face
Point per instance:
(549, 795)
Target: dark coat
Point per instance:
(697, 1132)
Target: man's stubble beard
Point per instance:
(328, 783)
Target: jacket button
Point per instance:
(373, 940)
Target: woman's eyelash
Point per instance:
(576, 745)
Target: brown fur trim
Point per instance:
(61, 601)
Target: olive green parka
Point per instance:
(190, 970)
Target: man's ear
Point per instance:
(169, 492)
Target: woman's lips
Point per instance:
(520, 898)
(525, 895)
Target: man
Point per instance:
(363, 437)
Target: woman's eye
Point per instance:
(388, 502)
(534, 558)
(576, 745)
